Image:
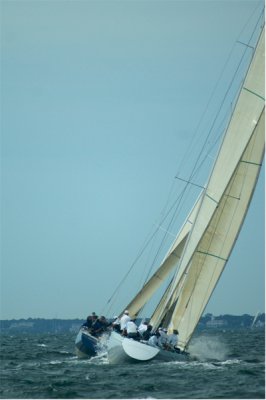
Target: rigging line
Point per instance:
(206, 253)
(142, 251)
(198, 168)
(191, 183)
(140, 254)
(201, 164)
(203, 160)
(210, 149)
(245, 44)
(229, 87)
(159, 225)
(213, 92)
(190, 297)
(170, 300)
(207, 106)
(225, 96)
(212, 126)
(194, 165)
(248, 21)
(111, 305)
(148, 241)
(225, 260)
(176, 203)
(203, 115)
(218, 112)
(165, 214)
(212, 146)
(226, 197)
(145, 246)
(132, 265)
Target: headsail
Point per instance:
(169, 263)
(223, 208)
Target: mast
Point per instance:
(223, 208)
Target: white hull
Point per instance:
(121, 349)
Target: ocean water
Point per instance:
(230, 364)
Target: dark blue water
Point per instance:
(231, 365)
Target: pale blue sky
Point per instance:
(99, 103)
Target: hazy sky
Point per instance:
(100, 101)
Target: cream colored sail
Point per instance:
(216, 244)
(223, 207)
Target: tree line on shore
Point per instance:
(41, 325)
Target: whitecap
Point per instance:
(232, 361)
(55, 362)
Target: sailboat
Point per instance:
(255, 320)
(203, 245)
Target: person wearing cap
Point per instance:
(124, 320)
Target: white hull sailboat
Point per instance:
(121, 349)
(204, 244)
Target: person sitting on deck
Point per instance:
(163, 338)
(173, 339)
(132, 330)
(88, 322)
(147, 334)
(143, 326)
(99, 326)
(154, 340)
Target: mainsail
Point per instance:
(224, 205)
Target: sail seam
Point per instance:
(212, 255)
(251, 162)
(215, 201)
(256, 94)
(232, 197)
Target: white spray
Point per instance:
(206, 348)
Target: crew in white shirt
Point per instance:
(132, 329)
(143, 326)
(124, 320)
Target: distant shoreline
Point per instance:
(58, 325)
